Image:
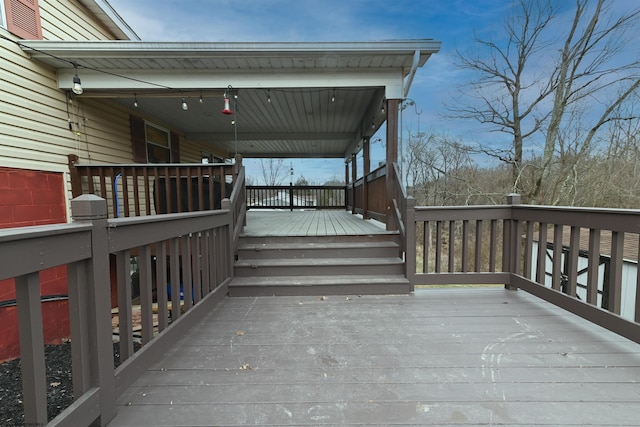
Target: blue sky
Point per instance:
(453, 22)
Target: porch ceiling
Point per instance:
(324, 97)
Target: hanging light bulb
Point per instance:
(227, 108)
(201, 98)
(333, 97)
(269, 96)
(77, 86)
(185, 107)
(135, 100)
(382, 110)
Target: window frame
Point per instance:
(167, 147)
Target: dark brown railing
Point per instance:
(149, 189)
(376, 199)
(185, 255)
(296, 197)
(552, 252)
(556, 253)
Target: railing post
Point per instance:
(410, 241)
(291, 197)
(32, 349)
(511, 246)
(93, 209)
(76, 184)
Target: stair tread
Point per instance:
(315, 245)
(316, 280)
(277, 262)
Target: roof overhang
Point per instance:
(110, 18)
(293, 99)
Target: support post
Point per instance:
(392, 157)
(346, 183)
(366, 166)
(410, 242)
(93, 209)
(354, 177)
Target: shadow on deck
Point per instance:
(440, 356)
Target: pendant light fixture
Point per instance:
(227, 107)
(77, 85)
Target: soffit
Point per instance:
(325, 97)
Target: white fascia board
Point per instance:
(132, 80)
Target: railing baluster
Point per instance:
(542, 254)
(556, 275)
(478, 255)
(593, 266)
(452, 246)
(438, 261)
(125, 191)
(574, 253)
(146, 293)
(196, 267)
(32, 364)
(493, 241)
(465, 245)
(161, 285)
(147, 192)
(187, 290)
(615, 278)
(136, 190)
(174, 262)
(200, 186)
(528, 250)
(78, 320)
(427, 244)
(637, 306)
(167, 189)
(189, 190)
(125, 323)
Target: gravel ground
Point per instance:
(59, 384)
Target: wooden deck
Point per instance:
(463, 356)
(309, 223)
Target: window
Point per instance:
(158, 147)
(22, 18)
(153, 144)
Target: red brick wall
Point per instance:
(33, 198)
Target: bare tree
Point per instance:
(274, 172)
(585, 81)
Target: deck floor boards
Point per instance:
(309, 223)
(463, 356)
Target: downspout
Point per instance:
(412, 72)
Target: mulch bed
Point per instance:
(59, 384)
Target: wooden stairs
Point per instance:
(319, 265)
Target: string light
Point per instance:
(269, 96)
(185, 107)
(77, 85)
(201, 99)
(333, 97)
(135, 100)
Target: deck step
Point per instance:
(319, 285)
(318, 266)
(299, 250)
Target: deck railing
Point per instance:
(555, 253)
(149, 189)
(376, 193)
(571, 257)
(296, 197)
(186, 256)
